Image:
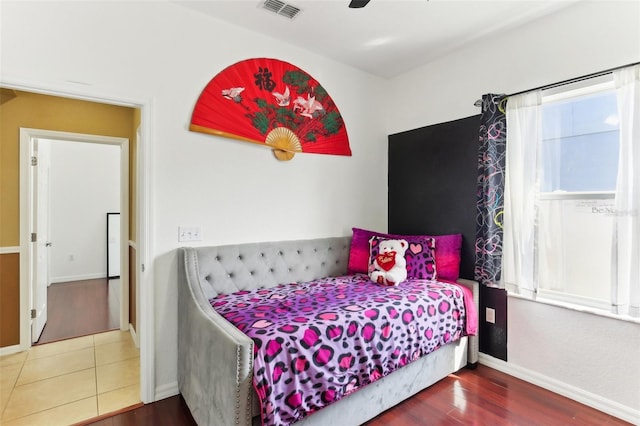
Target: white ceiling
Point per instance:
(387, 37)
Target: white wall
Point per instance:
(578, 353)
(84, 187)
(582, 38)
(163, 54)
(591, 357)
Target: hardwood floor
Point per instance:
(79, 308)
(482, 396)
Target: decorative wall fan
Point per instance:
(272, 103)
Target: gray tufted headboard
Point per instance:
(226, 269)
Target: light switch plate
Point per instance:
(189, 233)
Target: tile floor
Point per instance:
(69, 381)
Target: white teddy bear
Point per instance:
(390, 264)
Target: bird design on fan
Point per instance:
(272, 103)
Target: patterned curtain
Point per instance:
(490, 194)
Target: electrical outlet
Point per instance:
(490, 315)
(189, 233)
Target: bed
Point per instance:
(216, 365)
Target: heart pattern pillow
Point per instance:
(420, 256)
(447, 252)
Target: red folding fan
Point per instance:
(273, 103)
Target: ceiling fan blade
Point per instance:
(357, 4)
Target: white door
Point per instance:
(41, 229)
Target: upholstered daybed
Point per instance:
(216, 359)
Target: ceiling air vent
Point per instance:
(281, 8)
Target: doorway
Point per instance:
(107, 364)
(63, 109)
(76, 156)
(79, 247)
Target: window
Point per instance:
(572, 193)
(576, 181)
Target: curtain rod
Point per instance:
(478, 103)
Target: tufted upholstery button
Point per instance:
(261, 254)
(218, 258)
(280, 253)
(239, 257)
(289, 269)
(270, 269)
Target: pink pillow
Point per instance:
(447, 252)
(420, 257)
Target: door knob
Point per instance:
(48, 244)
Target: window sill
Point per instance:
(577, 308)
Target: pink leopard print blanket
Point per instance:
(319, 341)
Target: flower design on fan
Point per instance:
(233, 93)
(282, 99)
(309, 107)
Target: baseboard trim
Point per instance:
(165, 391)
(78, 278)
(8, 350)
(584, 397)
(134, 335)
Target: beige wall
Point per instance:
(49, 113)
(9, 299)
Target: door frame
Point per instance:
(27, 138)
(144, 219)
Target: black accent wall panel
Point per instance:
(432, 183)
(432, 190)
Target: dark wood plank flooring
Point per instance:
(482, 396)
(79, 308)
